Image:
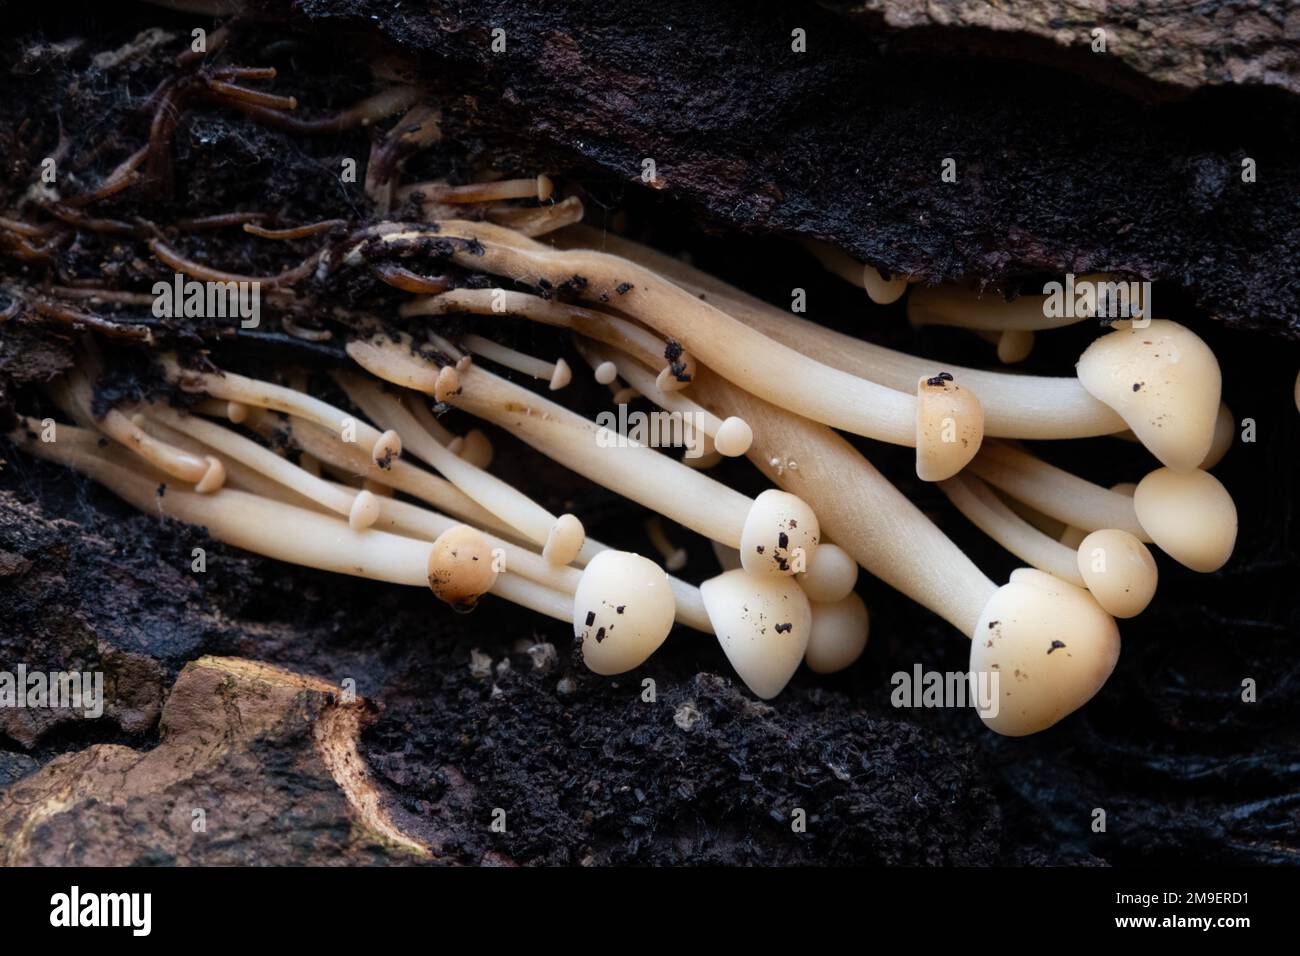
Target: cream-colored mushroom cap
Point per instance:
(564, 540)
(733, 438)
(1189, 515)
(365, 510)
(1014, 345)
(461, 567)
(780, 534)
(763, 623)
(561, 376)
(623, 609)
(1119, 571)
(1224, 430)
(831, 575)
(880, 290)
(838, 636)
(1046, 647)
(1164, 382)
(949, 427)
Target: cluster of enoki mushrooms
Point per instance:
(272, 469)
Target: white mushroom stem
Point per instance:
(987, 512)
(1015, 406)
(730, 348)
(1055, 492)
(206, 474)
(634, 471)
(880, 290)
(652, 479)
(990, 311)
(444, 496)
(269, 526)
(238, 475)
(473, 446)
(561, 542)
(1027, 620)
(250, 391)
(556, 374)
(539, 188)
(538, 220)
(284, 532)
(360, 508)
(736, 435)
(858, 508)
(626, 336)
(674, 557)
(1013, 345)
(402, 475)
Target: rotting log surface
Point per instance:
(586, 770)
(1055, 170)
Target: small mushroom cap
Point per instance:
(1045, 646)
(213, 478)
(562, 375)
(733, 438)
(780, 534)
(949, 427)
(564, 540)
(236, 412)
(763, 623)
(838, 635)
(388, 447)
(461, 567)
(1072, 537)
(1189, 515)
(1014, 345)
(475, 448)
(1164, 382)
(447, 385)
(623, 609)
(1224, 430)
(606, 372)
(678, 373)
(365, 511)
(880, 290)
(831, 575)
(1119, 571)
(544, 187)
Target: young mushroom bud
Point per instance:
(1189, 515)
(461, 569)
(880, 290)
(1119, 571)
(734, 437)
(949, 427)
(623, 609)
(1052, 647)
(387, 448)
(364, 511)
(564, 540)
(831, 575)
(780, 534)
(838, 636)
(1164, 382)
(763, 623)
